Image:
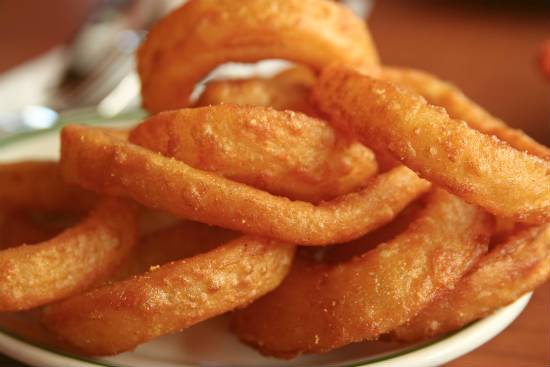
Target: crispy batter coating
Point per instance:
(321, 307)
(511, 269)
(178, 241)
(170, 298)
(460, 107)
(38, 185)
(34, 275)
(481, 169)
(185, 46)
(288, 90)
(284, 153)
(96, 160)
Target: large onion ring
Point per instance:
(120, 316)
(102, 162)
(321, 307)
(481, 169)
(460, 107)
(284, 153)
(190, 42)
(508, 271)
(34, 275)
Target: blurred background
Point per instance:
(59, 55)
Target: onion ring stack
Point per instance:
(279, 165)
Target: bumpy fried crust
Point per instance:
(460, 107)
(118, 317)
(481, 169)
(19, 188)
(101, 162)
(321, 307)
(176, 242)
(288, 90)
(511, 269)
(284, 153)
(190, 42)
(34, 275)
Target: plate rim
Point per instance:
(69, 357)
(515, 308)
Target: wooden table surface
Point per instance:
(490, 53)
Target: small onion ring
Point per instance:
(481, 169)
(320, 307)
(118, 317)
(34, 275)
(186, 45)
(282, 152)
(105, 163)
(511, 269)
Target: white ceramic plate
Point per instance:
(211, 344)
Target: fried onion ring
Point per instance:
(460, 107)
(98, 161)
(34, 275)
(284, 153)
(288, 90)
(118, 317)
(186, 45)
(321, 307)
(19, 188)
(481, 169)
(511, 269)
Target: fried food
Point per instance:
(288, 90)
(321, 307)
(34, 275)
(178, 241)
(19, 188)
(511, 269)
(185, 46)
(481, 169)
(170, 298)
(460, 107)
(284, 153)
(98, 161)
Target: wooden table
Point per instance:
(490, 53)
